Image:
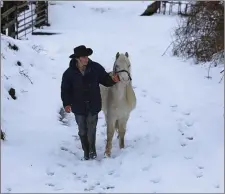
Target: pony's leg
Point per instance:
(110, 134)
(122, 130)
(117, 128)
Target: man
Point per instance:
(80, 93)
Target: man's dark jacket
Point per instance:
(82, 92)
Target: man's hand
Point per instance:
(115, 78)
(68, 109)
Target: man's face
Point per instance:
(83, 60)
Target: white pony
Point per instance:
(118, 101)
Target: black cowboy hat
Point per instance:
(81, 51)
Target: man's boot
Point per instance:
(92, 147)
(85, 146)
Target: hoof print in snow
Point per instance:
(156, 180)
(12, 93)
(146, 168)
(71, 152)
(108, 187)
(156, 100)
(91, 188)
(50, 184)
(64, 149)
(84, 181)
(76, 137)
(50, 173)
(61, 165)
(186, 113)
(155, 155)
(183, 144)
(217, 186)
(74, 173)
(97, 183)
(174, 108)
(111, 172)
(9, 189)
(199, 175)
(189, 138)
(188, 157)
(181, 131)
(189, 124)
(200, 167)
(85, 176)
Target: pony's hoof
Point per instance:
(107, 155)
(121, 147)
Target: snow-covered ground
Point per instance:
(175, 136)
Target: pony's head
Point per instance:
(122, 67)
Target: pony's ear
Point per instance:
(126, 54)
(117, 55)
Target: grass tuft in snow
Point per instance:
(12, 93)
(25, 74)
(2, 135)
(13, 47)
(19, 63)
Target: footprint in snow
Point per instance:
(217, 186)
(50, 173)
(189, 123)
(155, 155)
(76, 137)
(183, 143)
(186, 113)
(188, 157)
(9, 190)
(174, 107)
(156, 100)
(146, 168)
(61, 165)
(80, 178)
(201, 167)
(144, 93)
(108, 187)
(199, 174)
(156, 180)
(50, 184)
(90, 188)
(199, 171)
(189, 138)
(111, 172)
(64, 148)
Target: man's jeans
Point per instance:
(87, 132)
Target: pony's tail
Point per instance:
(131, 97)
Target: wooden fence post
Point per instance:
(12, 28)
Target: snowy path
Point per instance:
(174, 139)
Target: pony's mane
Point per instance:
(130, 95)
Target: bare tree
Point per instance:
(200, 34)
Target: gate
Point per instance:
(19, 18)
